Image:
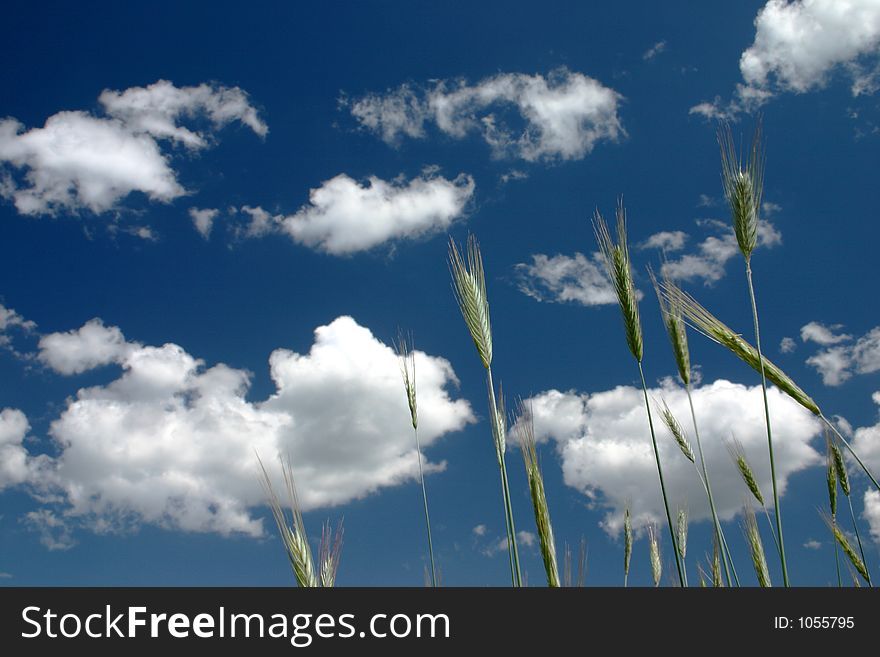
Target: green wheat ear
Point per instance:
(847, 548)
(738, 455)
(756, 548)
(627, 543)
(619, 267)
(743, 187)
(469, 286)
(675, 428)
(675, 328)
(654, 549)
(714, 329)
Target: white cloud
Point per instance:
(606, 451)
(564, 114)
(654, 50)
(90, 346)
(798, 46)
(11, 320)
(523, 539)
(171, 442)
(787, 345)
(344, 216)
(203, 220)
(55, 532)
(479, 530)
(666, 240)
(823, 335)
(710, 261)
(157, 108)
(563, 278)
(78, 161)
(872, 513)
(813, 544)
(16, 466)
(839, 363)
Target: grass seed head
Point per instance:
(675, 428)
(840, 467)
(675, 328)
(831, 480)
(756, 548)
(682, 532)
(738, 454)
(656, 563)
(525, 433)
(469, 286)
(619, 269)
(847, 548)
(407, 359)
(743, 187)
(714, 329)
(627, 540)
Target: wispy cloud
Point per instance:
(564, 115)
(561, 279)
(654, 50)
(843, 356)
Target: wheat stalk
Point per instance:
(843, 477)
(627, 544)
(469, 288)
(619, 270)
(407, 360)
(293, 532)
(525, 432)
(682, 534)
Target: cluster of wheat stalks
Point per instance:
(742, 178)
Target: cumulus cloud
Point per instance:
(606, 454)
(344, 216)
(709, 262)
(787, 345)
(798, 46)
(562, 278)
(90, 346)
(203, 220)
(839, 362)
(813, 544)
(562, 115)
(78, 161)
(666, 240)
(171, 441)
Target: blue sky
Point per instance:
(216, 218)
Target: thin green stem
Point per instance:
(836, 554)
(831, 426)
(776, 508)
(859, 539)
(513, 551)
(662, 483)
(726, 547)
(706, 483)
(427, 517)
